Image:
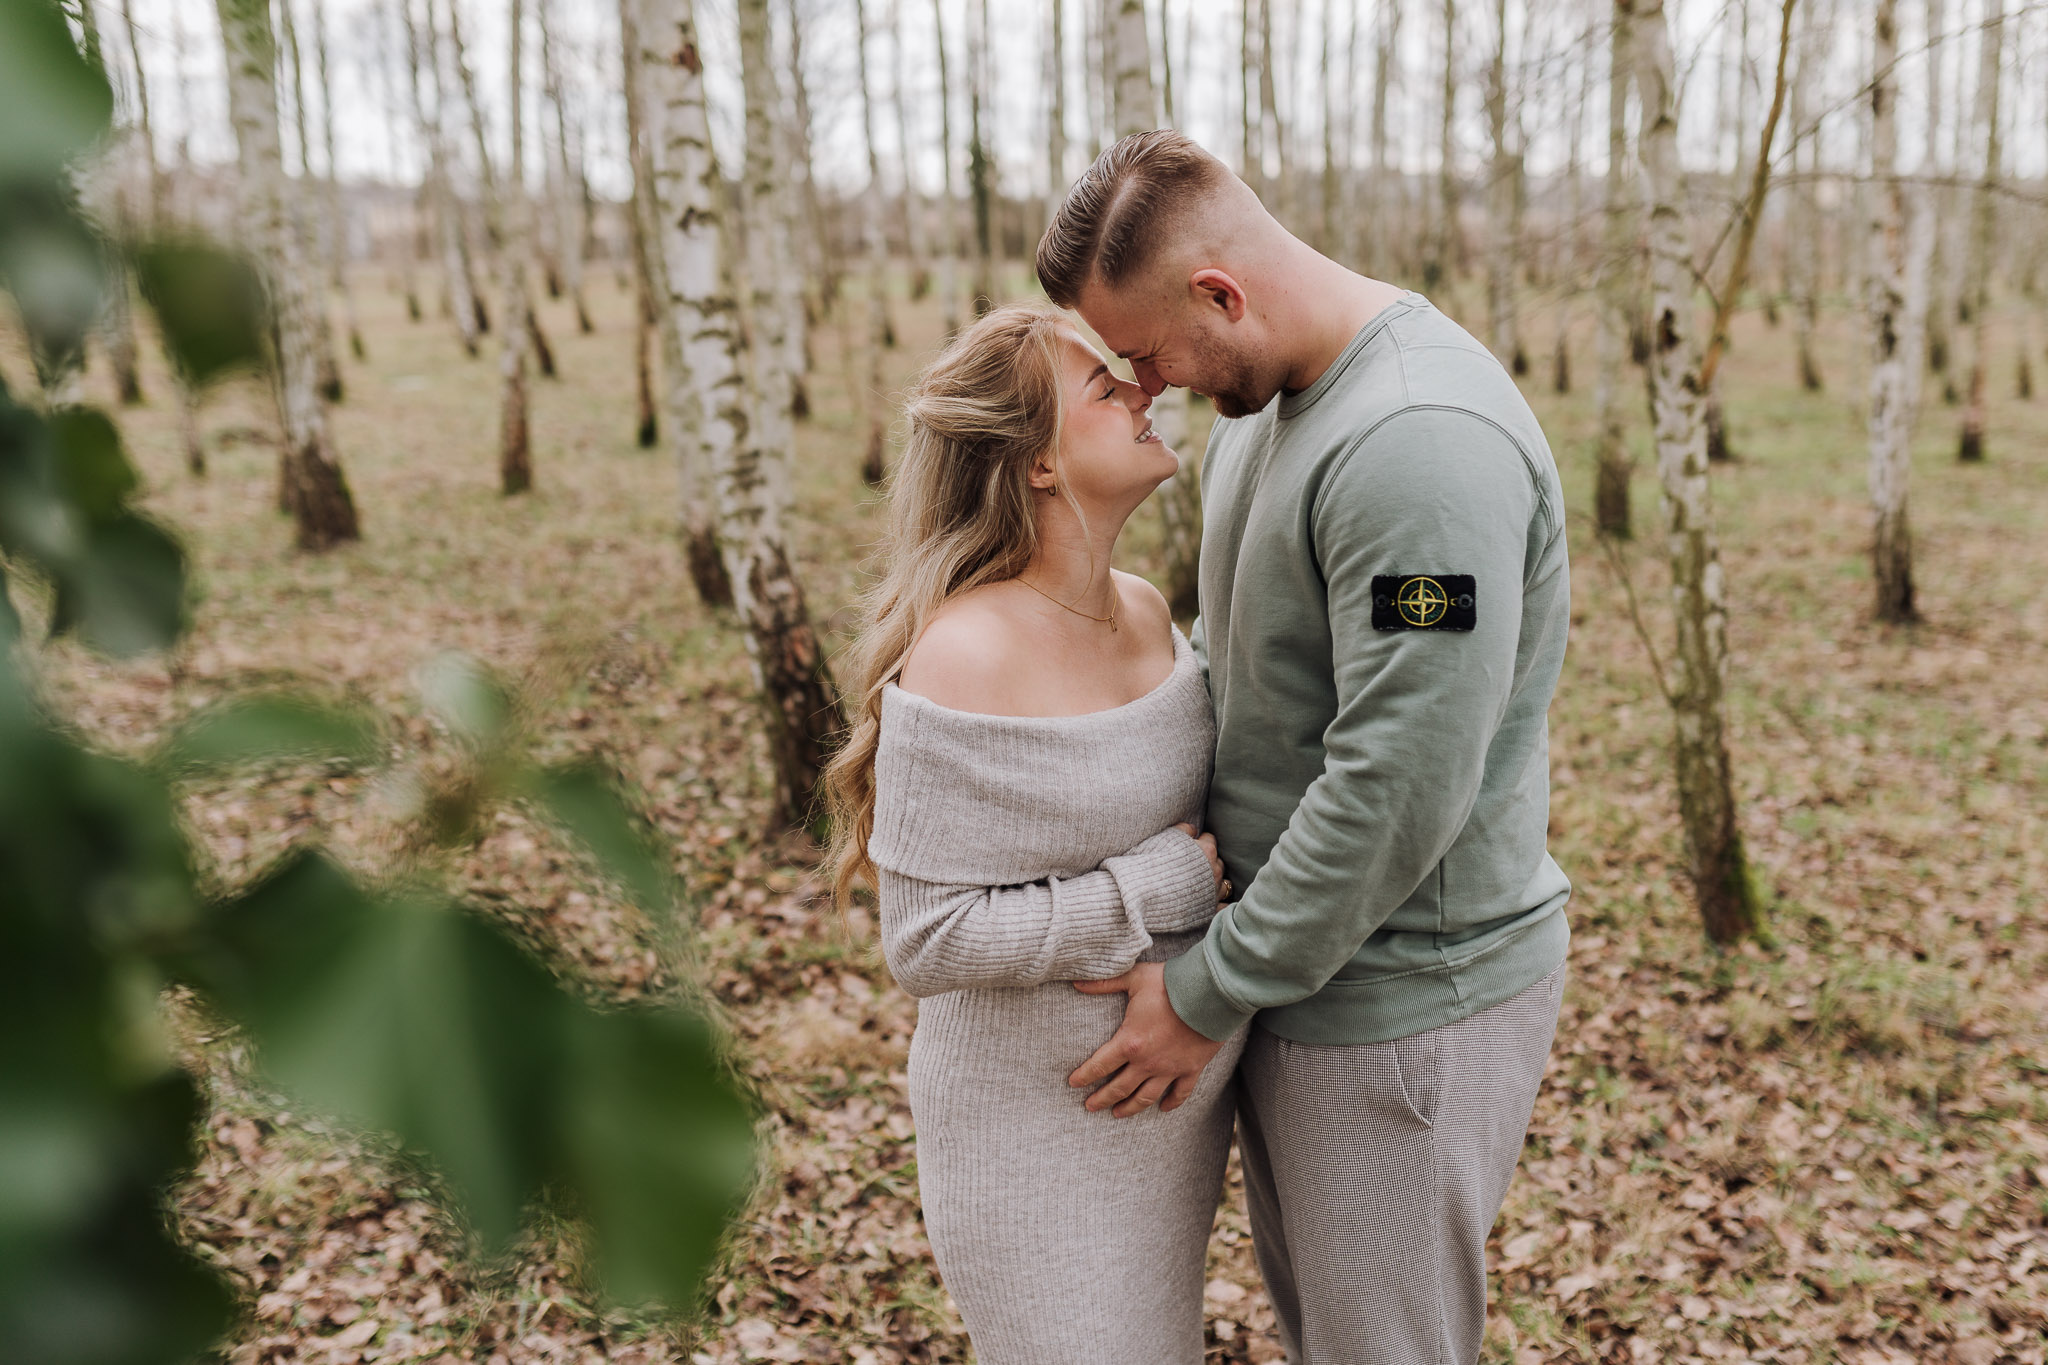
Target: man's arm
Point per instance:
(1435, 492)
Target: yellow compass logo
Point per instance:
(1422, 602)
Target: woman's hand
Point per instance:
(1208, 843)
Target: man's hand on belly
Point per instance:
(1153, 1054)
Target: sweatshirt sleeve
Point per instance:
(1430, 491)
(947, 938)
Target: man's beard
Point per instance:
(1235, 390)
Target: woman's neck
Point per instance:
(1072, 565)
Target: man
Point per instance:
(1384, 601)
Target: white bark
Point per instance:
(1982, 224)
(440, 191)
(788, 666)
(1892, 329)
(949, 195)
(316, 490)
(704, 394)
(881, 332)
(515, 455)
(1617, 289)
(1699, 607)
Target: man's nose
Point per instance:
(1148, 378)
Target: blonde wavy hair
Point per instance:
(960, 515)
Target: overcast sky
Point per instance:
(181, 54)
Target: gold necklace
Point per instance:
(1110, 619)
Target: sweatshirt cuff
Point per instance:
(1196, 996)
(1166, 883)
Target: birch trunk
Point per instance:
(949, 198)
(1179, 498)
(1706, 796)
(981, 168)
(394, 107)
(337, 210)
(1977, 291)
(640, 221)
(515, 449)
(1803, 223)
(704, 396)
(1939, 306)
(881, 331)
(1386, 47)
(800, 707)
(1501, 208)
(567, 202)
(1574, 179)
(1891, 330)
(1618, 291)
(913, 202)
(1332, 177)
(312, 236)
(1437, 268)
(316, 489)
(1056, 101)
(440, 192)
(1249, 140)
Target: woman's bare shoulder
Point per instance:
(969, 658)
(1144, 605)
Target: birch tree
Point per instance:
(1616, 285)
(1503, 207)
(566, 169)
(981, 166)
(703, 397)
(1180, 504)
(1939, 201)
(1436, 267)
(515, 449)
(1386, 47)
(1803, 222)
(1892, 329)
(1697, 693)
(336, 233)
(302, 223)
(881, 331)
(117, 313)
(640, 223)
(949, 198)
(316, 489)
(455, 273)
(913, 201)
(800, 706)
(1977, 286)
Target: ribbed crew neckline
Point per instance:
(1294, 404)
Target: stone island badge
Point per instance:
(1424, 601)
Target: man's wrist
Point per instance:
(1198, 1000)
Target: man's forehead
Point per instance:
(1120, 317)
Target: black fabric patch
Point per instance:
(1425, 601)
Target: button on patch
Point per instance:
(1425, 601)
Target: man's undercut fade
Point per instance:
(1119, 211)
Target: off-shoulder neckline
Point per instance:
(1183, 661)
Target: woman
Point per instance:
(1032, 746)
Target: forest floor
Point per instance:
(1830, 1148)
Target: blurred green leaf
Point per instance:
(463, 696)
(50, 259)
(263, 729)
(411, 1017)
(584, 800)
(10, 619)
(209, 304)
(92, 470)
(53, 104)
(125, 594)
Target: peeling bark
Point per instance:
(1706, 796)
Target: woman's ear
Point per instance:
(1044, 478)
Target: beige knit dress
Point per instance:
(1019, 854)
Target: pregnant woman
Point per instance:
(1032, 743)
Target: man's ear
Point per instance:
(1216, 289)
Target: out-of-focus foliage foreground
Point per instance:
(388, 1007)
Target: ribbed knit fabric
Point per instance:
(1018, 854)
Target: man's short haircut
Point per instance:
(1121, 208)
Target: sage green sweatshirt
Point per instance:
(1384, 598)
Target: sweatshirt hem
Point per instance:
(1350, 1013)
